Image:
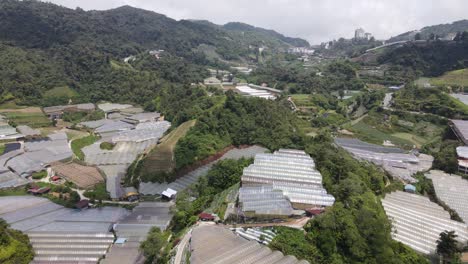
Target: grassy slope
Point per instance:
(452, 78)
(62, 91)
(161, 158)
(80, 143)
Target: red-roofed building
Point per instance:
(55, 178)
(314, 211)
(36, 191)
(206, 217)
(82, 204)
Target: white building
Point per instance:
(359, 33)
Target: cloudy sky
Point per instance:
(314, 20)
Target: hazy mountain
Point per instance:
(442, 30)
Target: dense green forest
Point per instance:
(240, 121)
(14, 246)
(431, 58)
(44, 46)
(354, 230)
(337, 75)
(429, 100)
(441, 30)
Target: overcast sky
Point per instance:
(314, 20)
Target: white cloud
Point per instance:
(314, 20)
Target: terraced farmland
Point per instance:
(28, 116)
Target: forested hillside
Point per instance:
(14, 246)
(43, 46)
(431, 58)
(441, 30)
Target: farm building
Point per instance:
(143, 118)
(462, 153)
(287, 175)
(83, 177)
(410, 188)
(417, 222)
(214, 244)
(56, 112)
(250, 92)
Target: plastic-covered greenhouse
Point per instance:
(418, 222)
(287, 173)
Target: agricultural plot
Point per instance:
(161, 158)
(28, 117)
(377, 128)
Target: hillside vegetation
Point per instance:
(441, 30)
(15, 247)
(457, 78)
(44, 46)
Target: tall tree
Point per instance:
(447, 247)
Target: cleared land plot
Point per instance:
(416, 140)
(404, 132)
(161, 158)
(373, 135)
(61, 91)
